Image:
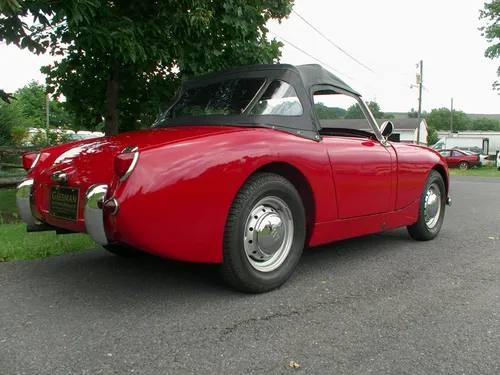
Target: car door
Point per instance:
(364, 174)
(446, 154)
(363, 170)
(455, 158)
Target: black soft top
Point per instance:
(305, 79)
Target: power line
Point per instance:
(311, 56)
(332, 68)
(335, 45)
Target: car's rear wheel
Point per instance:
(264, 235)
(431, 210)
(123, 251)
(463, 165)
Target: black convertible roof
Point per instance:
(310, 75)
(305, 79)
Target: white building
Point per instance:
(405, 130)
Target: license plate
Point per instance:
(63, 202)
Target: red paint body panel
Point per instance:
(365, 175)
(176, 201)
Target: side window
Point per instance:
(456, 153)
(446, 153)
(337, 110)
(279, 99)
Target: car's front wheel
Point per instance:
(431, 210)
(264, 235)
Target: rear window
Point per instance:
(230, 97)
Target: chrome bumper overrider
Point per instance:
(24, 195)
(448, 201)
(93, 214)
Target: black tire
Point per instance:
(237, 268)
(463, 165)
(123, 251)
(420, 231)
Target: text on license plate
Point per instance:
(63, 202)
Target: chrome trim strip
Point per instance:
(132, 166)
(93, 215)
(34, 162)
(24, 195)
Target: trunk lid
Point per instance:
(91, 161)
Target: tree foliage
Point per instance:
(124, 58)
(440, 119)
(29, 111)
(329, 113)
(485, 123)
(355, 112)
(491, 31)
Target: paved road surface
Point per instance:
(379, 304)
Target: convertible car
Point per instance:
(239, 171)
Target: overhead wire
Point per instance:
(331, 42)
(348, 54)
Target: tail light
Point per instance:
(124, 163)
(30, 160)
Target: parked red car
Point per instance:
(463, 160)
(238, 171)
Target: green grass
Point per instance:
(486, 171)
(17, 244)
(8, 207)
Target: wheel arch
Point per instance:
(301, 183)
(441, 170)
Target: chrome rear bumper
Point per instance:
(24, 195)
(93, 214)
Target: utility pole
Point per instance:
(420, 82)
(451, 117)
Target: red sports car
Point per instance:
(238, 171)
(461, 159)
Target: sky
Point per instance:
(390, 37)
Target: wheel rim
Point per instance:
(432, 207)
(268, 234)
(463, 166)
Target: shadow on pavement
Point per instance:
(97, 273)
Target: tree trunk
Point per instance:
(111, 122)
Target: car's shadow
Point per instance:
(97, 272)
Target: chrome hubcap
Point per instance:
(268, 234)
(432, 207)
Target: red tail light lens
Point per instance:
(30, 160)
(125, 162)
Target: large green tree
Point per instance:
(491, 31)
(440, 119)
(485, 123)
(127, 57)
(355, 112)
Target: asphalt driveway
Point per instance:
(377, 304)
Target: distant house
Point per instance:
(405, 130)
